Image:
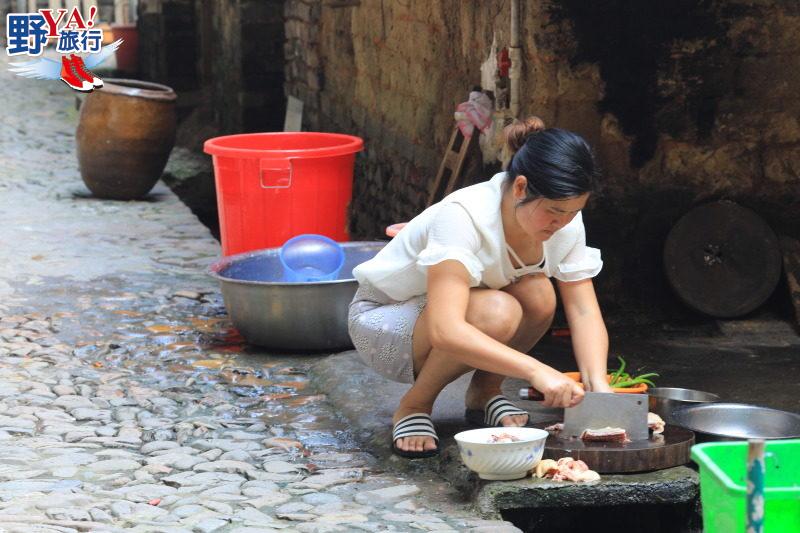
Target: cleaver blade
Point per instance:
(607, 409)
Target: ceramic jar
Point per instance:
(125, 135)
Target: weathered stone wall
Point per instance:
(168, 47)
(225, 60)
(694, 101)
(684, 101)
(225, 56)
(391, 72)
(247, 64)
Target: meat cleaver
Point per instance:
(607, 409)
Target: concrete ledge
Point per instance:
(367, 400)
(666, 487)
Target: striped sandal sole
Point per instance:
(496, 408)
(414, 425)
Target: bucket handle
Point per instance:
(278, 174)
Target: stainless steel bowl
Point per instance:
(283, 315)
(666, 400)
(736, 421)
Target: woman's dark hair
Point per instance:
(557, 163)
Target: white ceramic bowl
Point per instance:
(501, 460)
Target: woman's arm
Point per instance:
(448, 299)
(589, 335)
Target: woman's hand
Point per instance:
(558, 389)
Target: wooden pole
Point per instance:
(755, 486)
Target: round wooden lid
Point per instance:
(722, 259)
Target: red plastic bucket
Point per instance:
(274, 186)
(128, 52)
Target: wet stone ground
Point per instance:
(127, 401)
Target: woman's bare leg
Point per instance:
(537, 297)
(495, 313)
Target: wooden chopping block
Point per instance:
(658, 452)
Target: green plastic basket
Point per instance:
(723, 469)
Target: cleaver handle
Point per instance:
(529, 393)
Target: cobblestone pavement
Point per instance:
(127, 402)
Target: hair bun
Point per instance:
(518, 132)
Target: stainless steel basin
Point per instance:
(736, 421)
(284, 315)
(664, 401)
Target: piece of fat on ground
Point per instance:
(566, 469)
(589, 475)
(544, 467)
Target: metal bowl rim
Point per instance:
(220, 264)
(704, 407)
(650, 393)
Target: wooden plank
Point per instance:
(449, 178)
(443, 169)
(457, 178)
(451, 159)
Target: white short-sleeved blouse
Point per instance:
(467, 226)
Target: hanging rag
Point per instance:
(474, 113)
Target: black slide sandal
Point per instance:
(496, 408)
(415, 425)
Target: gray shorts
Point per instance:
(381, 330)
